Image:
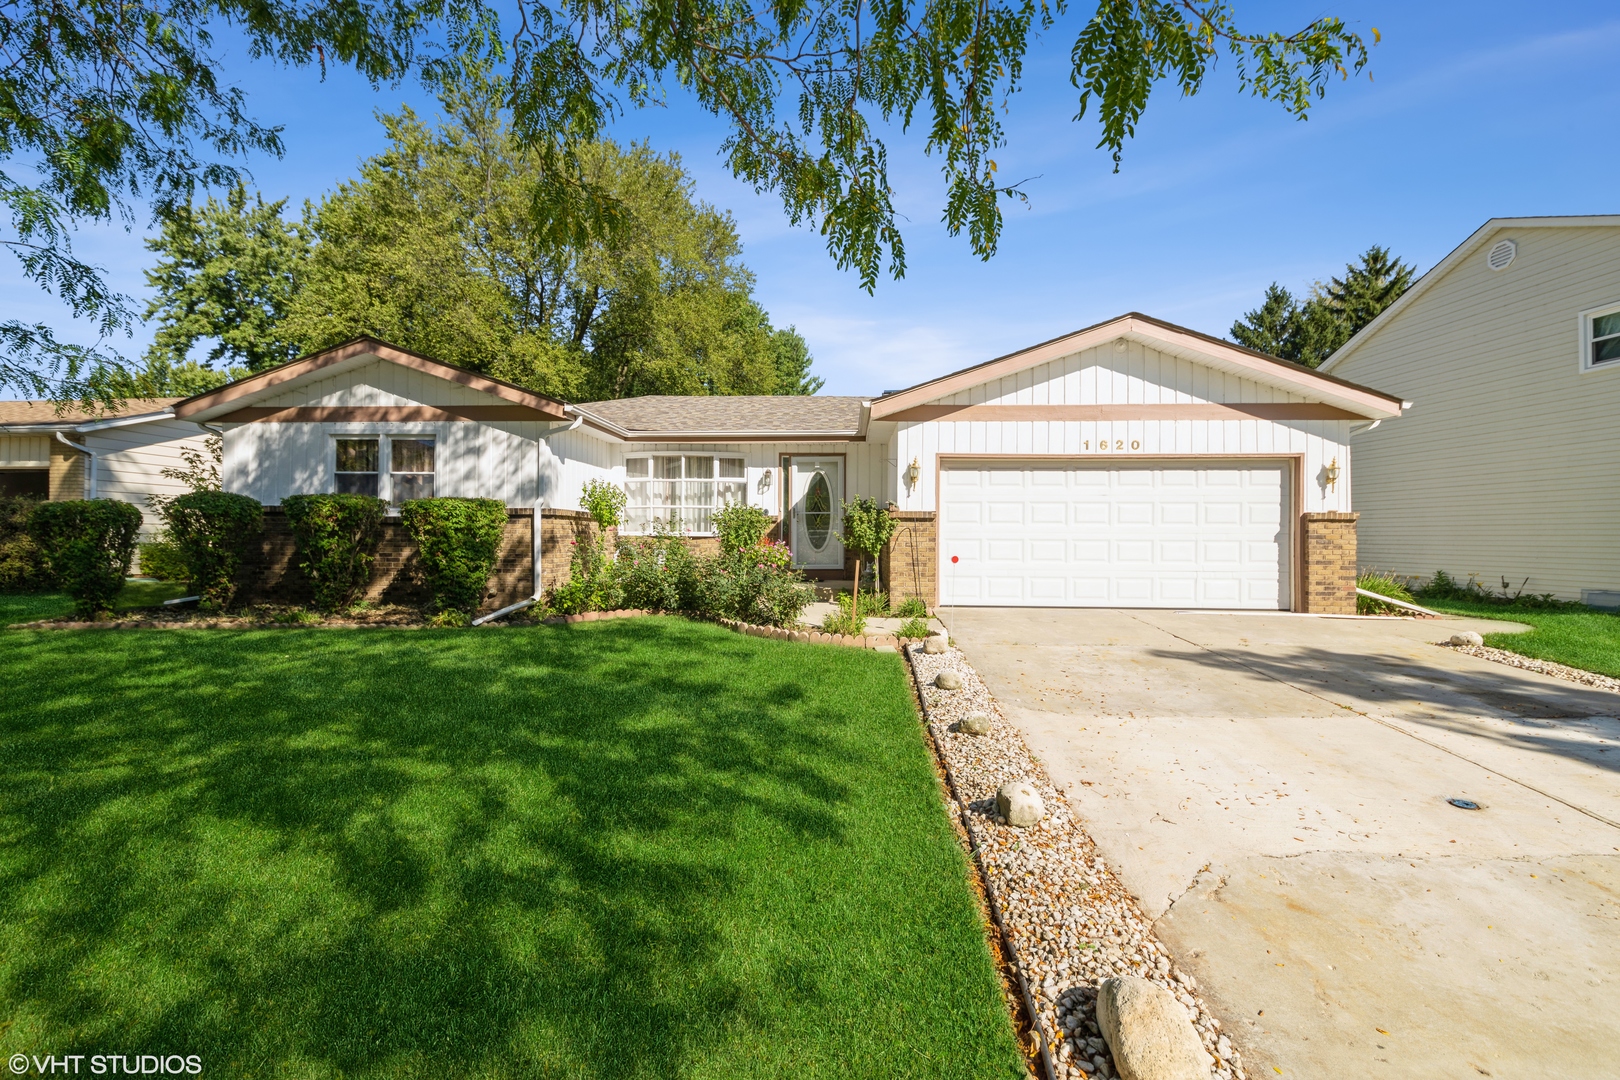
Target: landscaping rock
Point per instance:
(1020, 803)
(975, 724)
(948, 680)
(1467, 637)
(934, 644)
(1150, 1034)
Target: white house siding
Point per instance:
(574, 458)
(473, 459)
(380, 383)
(25, 451)
(130, 462)
(1507, 463)
(1136, 375)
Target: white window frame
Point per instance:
(1587, 318)
(740, 480)
(385, 459)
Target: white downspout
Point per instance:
(537, 539)
(91, 454)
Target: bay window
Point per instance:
(680, 492)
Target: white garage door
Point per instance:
(1150, 535)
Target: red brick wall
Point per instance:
(1329, 545)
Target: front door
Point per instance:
(818, 512)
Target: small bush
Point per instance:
(741, 528)
(1384, 585)
(23, 567)
(337, 538)
(912, 607)
(1443, 587)
(914, 628)
(211, 531)
(845, 620)
(89, 544)
(160, 559)
(604, 502)
(657, 574)
(592, 584)
(756, 585)
(457, 540)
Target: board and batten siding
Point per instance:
(25, 451)
(1135, 375)
(130, 462)
(1508, 463)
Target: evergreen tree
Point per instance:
(1309, 332)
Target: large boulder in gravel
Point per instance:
(1150, 1034)
(975, 724)
(948, 680)
(934, 644)
(1020, 803)
(1467, 637)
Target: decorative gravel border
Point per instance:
(1540, 667)
(1067, 919)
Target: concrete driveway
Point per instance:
(1273, 789)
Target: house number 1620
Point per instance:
(1119, 444)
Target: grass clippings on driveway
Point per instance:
(1582, 638)
(647, 848)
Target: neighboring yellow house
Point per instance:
(1508, 461)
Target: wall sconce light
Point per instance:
(1331, 474)
(913, 473)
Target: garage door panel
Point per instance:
(1115, 534)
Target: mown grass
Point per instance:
(647, 848)
(1581, 637)
(28, 607)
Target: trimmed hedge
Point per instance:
(89, 544)
(160, 559)
(457, 541)
(211, 531)
(336, 538)
(22, 564)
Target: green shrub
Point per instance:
(914, 628)
(337, 538)
(160, 559)
(89, 544)
(1384, 585)
(757, 585)
(211, 531)
(604, 502)
(741, 528)
(23, 567)
(657, 574)
(592, 584)
(912, 607)
(1443, 587)
(457, 540)
(845, 620)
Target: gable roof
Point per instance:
(242, 393)
(1462, 251)
(670, 418)
(1164, 337)
(44, 416)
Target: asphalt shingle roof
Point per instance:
(44, 412)
(772, 415)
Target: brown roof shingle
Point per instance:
(755, 415)
(45, 412)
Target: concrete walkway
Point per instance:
(1273, 788)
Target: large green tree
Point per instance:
(434, 247)
(1309, 331)
(107, 105)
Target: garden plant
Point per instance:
(89, 545)
(210, 531)
(457, 541)
(337, 538)
(22, 565)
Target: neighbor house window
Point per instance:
(680, 491)
(357, 467)
(410, 467)
(1603, 338)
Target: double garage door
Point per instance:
(1065, 534)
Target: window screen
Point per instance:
(411, 468)
(356, 467)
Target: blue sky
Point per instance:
(1474, 110)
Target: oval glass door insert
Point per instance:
(818, 511)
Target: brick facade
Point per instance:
(910, 564)
(1329, 564)
(68, 475)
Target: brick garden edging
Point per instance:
(776, 633)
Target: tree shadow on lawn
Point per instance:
(1545, 719)
(307, 852)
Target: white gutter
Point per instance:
(91, 454)
(537, 536)
(125, 421)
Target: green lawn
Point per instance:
(646, 848)
(1582, 638)
(27, 607)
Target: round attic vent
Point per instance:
(1501, 254)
